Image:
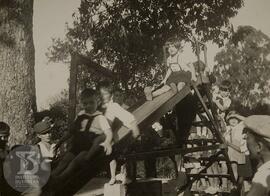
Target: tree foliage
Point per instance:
(58, 112)
(245, 62)
(127, 36)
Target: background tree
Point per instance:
(17, 81)
(127, 36)
(58, 112)
(245, 62)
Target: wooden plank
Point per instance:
(152, 111)
(93, 187)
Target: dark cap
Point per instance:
(260, 125)
(43, 127)
(232, 114)
(4, 129)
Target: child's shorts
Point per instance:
(179, 76)
(82, 143)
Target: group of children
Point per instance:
(94, 124)
(232, 131)
(94, 127)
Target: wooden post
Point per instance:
(198, 52)
(72, 88)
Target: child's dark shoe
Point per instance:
(148, 93)
(173, 87)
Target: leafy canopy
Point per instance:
(245, 61)
(127, 36)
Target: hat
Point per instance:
(259, 124)
(232, 114)
(43, 127)
(4, 129)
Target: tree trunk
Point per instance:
(17, 81)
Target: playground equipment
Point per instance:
(146, 115)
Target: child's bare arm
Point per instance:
(168, 73)
(109, 136)
(223, 106)
(105, 127)
(220, 106)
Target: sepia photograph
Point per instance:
(134, 98)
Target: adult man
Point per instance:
(258, 142)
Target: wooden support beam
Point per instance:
(83, 60)
(170, 152)
(72, 88)
(209, 175)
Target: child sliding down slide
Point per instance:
(178, 73)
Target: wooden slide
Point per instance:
(146, 115)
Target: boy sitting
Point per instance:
(89, 131)
(113, 111)
(178, 73)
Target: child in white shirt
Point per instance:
(113, 111)
(178, 73)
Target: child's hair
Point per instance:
(107, 85)
(118, 96)
(88, 92)
(174, 41)
(225, 85)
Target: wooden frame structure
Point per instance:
(146, 114)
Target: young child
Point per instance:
(43, 131)
(89, 131)
(178, 73)
(237, 149)
(113, 111)
(221, 98)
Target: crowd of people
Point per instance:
(247, 137)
